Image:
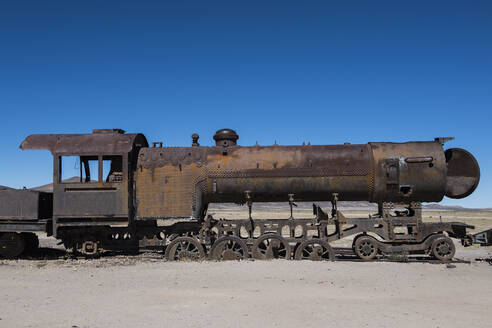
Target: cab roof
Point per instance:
(100, 141)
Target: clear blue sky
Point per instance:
(320, 71)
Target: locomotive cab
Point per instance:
(92, 176)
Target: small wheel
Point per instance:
(229, 248)
(32, 241)
(314, 250)
(443, 248)
(185, 249)
(11, 244)
(366, 248)
(271, 246)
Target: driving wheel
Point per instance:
(185, 249)
(314, 250)
(229, 248)
(271, 246)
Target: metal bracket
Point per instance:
(291, 203)
(334, 205)
(249, 202)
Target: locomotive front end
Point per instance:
(422, 171)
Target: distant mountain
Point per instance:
(436, 206)
(301, 205)
(49, 187)
(342, 205)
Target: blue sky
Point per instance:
(327, 72)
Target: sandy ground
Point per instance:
(146, 291)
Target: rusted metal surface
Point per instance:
(170, 191)
(411, 171)
(225, 138)
(24, 226)
(109, 142)
(185, 249)
(483, 238)
(25, 205)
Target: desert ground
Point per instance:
(146, 291)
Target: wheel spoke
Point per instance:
(229, 248)
(185, 248)
(271, 246)
(443, 248)
(315, 250)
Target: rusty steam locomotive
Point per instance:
(126, 189)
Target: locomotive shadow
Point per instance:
(47, 254)
(44, 253)
(398, 259)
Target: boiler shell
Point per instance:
(181, 182)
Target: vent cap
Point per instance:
(225, 137)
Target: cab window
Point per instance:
(70, 169)
(85, 169)
(112, 168)
(90, 170)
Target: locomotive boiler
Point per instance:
(126, 189)
(186, 179)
